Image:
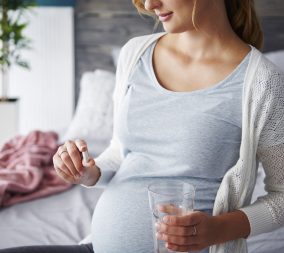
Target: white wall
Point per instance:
(47, 91)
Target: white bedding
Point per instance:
(65, 218)
(272, 242)
(267, 243)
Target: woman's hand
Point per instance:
(192, 232)
(71, 167)
(197, 230)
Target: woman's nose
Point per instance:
(152, 4)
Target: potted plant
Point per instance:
(12, 41)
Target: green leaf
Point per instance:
(18, 32)
(23, 64)
(12, 29)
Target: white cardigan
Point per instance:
(262, 140)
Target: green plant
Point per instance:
(13, 23)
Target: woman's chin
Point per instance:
(175, 29)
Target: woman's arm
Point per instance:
(264, 215)
(232, 226)
(108, 162)
(198, 230)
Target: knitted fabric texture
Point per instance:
(262, 140)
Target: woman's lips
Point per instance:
(163, 17)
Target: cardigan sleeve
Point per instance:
(110, 160)
(267, 213)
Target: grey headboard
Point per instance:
(101, 24)
(272, 19)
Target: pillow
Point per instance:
(93, 120)
(277, 57)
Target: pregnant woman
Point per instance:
(197, 103)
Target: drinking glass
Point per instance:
(169, 197)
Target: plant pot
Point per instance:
(4, 82)
(9, 119)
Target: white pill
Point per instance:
(85, 156)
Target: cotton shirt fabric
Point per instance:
(262, 141)
(191, 136)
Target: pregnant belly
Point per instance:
(122, 220)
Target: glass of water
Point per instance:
(169, 197)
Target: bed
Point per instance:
(65, 218)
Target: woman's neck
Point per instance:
(214, 37)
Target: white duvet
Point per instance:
(65, 218)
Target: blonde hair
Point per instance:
(241, 14)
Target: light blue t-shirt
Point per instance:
(192, 136)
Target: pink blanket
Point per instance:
(26, 168)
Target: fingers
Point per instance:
(178, 231)
(192, 232)
(65, 176)
(178, 240)
(175, 230)
(185, 220)
(59, 164)
(183, 248)
(69, 163)
(169, 209)
(72, 159)
(69, 159)
(62, 170)
(88, 161)
(81, 145)
(61, 150)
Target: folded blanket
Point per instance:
(26, 168)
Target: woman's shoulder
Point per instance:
(266, 76)
(268, 79)
(144, 38)
(266, 67)
(139, 43)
